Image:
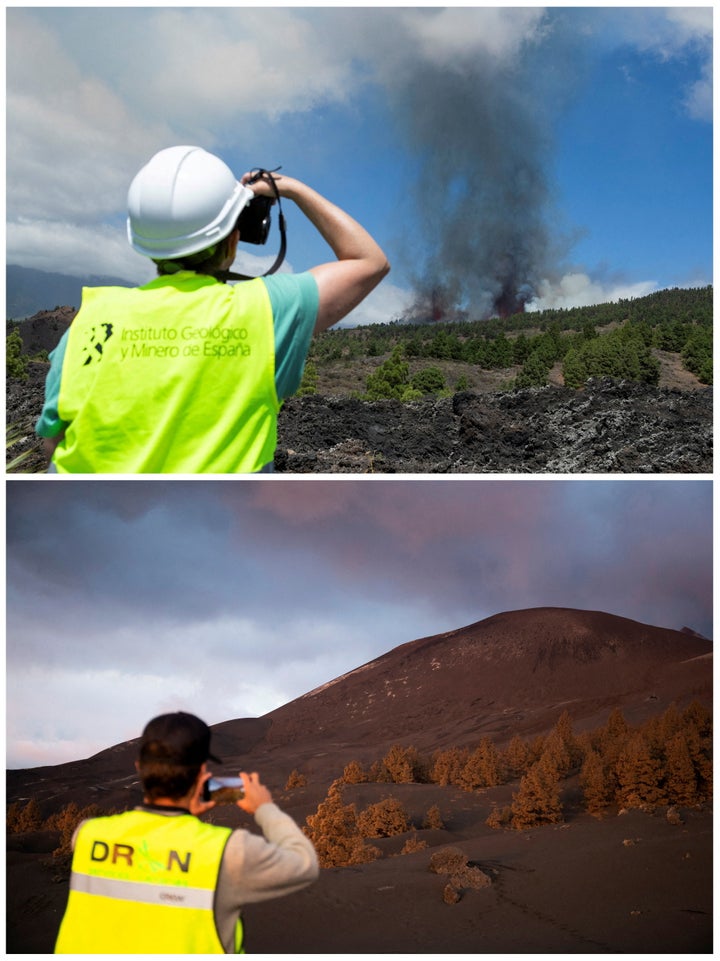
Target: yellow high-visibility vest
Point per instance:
(144, 883)
(177, 376)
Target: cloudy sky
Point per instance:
(565, 151)
(230, 598)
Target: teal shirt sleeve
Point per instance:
(49, 423)
(295, 300)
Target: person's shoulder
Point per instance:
(301, 283)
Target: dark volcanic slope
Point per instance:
(514, 672)
(636, 883)
(511, 673)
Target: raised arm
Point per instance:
(361, 264)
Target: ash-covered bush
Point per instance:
(295, 780)
(433, 819)
(333, 829)
(461, 875)
(383, 819)
(413, 844)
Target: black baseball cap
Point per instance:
(177, 738)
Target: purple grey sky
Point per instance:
(231, 597)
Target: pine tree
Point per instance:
(433, 819)
(353, 773)
(447, 765)
(613, 737)
(596, 784)
(564, 728)
(639, 775)
(558, 753)
(482, 768)
(574, 372)
(680, 780)
(538, 798)
(21, 817)
(403, 764)
(516, 757)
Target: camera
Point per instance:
(254, 220)
(224, 790)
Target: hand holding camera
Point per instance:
(245, 790)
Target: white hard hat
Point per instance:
(182, 201)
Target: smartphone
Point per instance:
(224, 790)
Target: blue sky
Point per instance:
(604, 112)
(126, 599)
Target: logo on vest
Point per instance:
(124, 854)
(97, 337)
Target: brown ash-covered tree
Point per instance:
(516, 757)
(482, 768)
(334, 832)
(537, 800)
(447, 765)
(597, 783)
(404, 765)
(433, 819)
(383, 819)
(354, 773)
(639, 774)
(681, 782)
(23, 817)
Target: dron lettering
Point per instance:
(123, 854)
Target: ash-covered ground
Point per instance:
(607, 427)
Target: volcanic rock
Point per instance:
(608, 427)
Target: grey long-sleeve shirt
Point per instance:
(257, 868)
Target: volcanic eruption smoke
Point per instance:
(479, 124)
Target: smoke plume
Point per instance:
(476, 107)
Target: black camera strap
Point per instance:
(267, 176)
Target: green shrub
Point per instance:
(16, 363)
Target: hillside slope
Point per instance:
(513, 673)
(638, 882)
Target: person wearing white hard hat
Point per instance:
(186, 374)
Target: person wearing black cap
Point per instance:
(157, 880)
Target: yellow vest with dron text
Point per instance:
(177, 376)
(144, 883)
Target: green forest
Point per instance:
(616, 340)
(607, 340)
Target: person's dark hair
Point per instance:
(208, 261)
(163, 779)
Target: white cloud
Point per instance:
(699, 98)
(223, 63)
(384, 304)
(247, 670)
(72, 143)
(76, 249)
(454, 34)
(579, 290)
(93, 92)
(80, 249)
